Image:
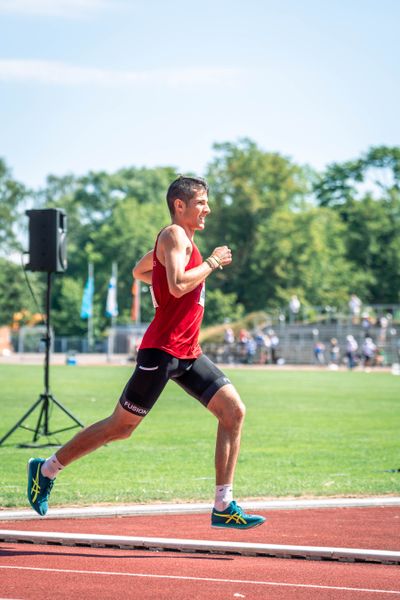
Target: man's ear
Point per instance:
(179, 204)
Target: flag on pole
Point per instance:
(87, 299)
(112, 305)
(135, 310)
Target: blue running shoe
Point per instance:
(234, 517)
(39, 486)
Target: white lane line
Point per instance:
(204, 579)
(199, 508)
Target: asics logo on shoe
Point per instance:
(35, 491)
(236, 517)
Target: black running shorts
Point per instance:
(199, 377)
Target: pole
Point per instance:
(114, 315)
(111, 337)
(138, 300)
(47, 338)
(90, 317)
(46, 398)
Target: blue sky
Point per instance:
(103, 84)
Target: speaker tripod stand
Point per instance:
(46, 399)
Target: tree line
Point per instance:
(292, 230)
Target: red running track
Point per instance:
(41, 572)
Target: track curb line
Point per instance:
(200, 546)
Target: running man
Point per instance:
(169, 350)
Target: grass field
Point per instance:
(306, 434)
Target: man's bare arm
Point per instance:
(173, 249)
(144, 268)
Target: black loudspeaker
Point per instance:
(47, 240)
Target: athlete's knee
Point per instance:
(228, 407)
(232, 418)
(114, 432)
(237, 412)
(122, 432)
(241, 410)
(121, 425)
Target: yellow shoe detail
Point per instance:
(232, 517)
(35, 484)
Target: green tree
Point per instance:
(376, 173)
(14, 293)
(12, 197)
(67, 308)
(248, 187)
(373, 247)
(111, 218)
(221, 307)
(365, 193)
(124, 238)
(299, 253)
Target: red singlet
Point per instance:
(176, 324)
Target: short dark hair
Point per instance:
(184, 188)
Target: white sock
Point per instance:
(51, 467)
(223, 496)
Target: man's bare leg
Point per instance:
(227, 406)
(41, 473)
(118, 426)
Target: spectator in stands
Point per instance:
(366, 321)
(368, 351)
(294, 308)
(355, 307)
(274, 346)
(261, 343)
(351, 349)
(334, 352)
(319, 350)
(251, 350)
(380, 357)
(229, 336)
(267, 342)
(383, 322)
(134, 344)
(229, 342)
(244, 337)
